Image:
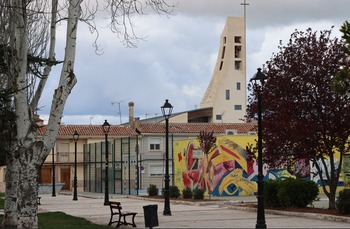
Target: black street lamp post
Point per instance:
(260, 222)
(75, 137)
(166, 110)
(106, 127)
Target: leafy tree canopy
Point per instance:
(303, 117)
(341, 82)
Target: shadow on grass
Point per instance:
(51, 220)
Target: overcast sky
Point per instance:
(177, 58)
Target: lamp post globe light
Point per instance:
(260, 222)
(106, 127)
(167, 108)
(75, 138)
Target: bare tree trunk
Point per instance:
(28, 153)
(329, 186)
(28, 191)
(10, 208)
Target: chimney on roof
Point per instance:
(131, 115)
(38, 120)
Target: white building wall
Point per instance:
(226, 92)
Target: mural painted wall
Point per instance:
(226, 171)
(346, 171)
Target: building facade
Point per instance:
(226, 94)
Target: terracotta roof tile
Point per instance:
(92, 130)
(179, 128)
(196, 127)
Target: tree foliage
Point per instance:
(341, 82)
(207, 141)
(303, 118)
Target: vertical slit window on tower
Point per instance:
(224, 40)
(222, 63)
(237, 39)
(237, 51)
(238, 86)
(227, 94)
(238, 65)
(223, 52)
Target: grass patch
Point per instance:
(2, 200)
(54, 220)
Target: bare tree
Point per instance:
(207, 142)
(29, 32)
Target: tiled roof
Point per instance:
(179, 128)
(92, 130)
(197, 127)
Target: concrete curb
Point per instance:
(235, 205)
(299, 214)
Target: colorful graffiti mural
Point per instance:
(229, 171)
(226, 171)
(346, 171)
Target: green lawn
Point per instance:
(2, 200)
(63, 221)
(54, 220)
(50, 220)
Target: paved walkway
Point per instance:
(217, 214)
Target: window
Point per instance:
(156, 170)
(224, 40)
(223, 52)
(238, 86)
(227, 94)
(238, 51)
(222, 63)
(238, 65)
(238, 107)
(159, 170)
(63, 152)
(133, 159)
(154, 144)
(63, 156)
(237, 39)
(218, 117)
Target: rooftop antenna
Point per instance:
(120, 112)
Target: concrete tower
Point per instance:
(226, 93)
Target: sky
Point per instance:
(176, 58)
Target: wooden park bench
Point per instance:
(116, 209)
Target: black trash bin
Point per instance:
(151, 215)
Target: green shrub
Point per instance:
(198, 194)
(270, 193)
(174, 191)
(152, 190)
(187, 193)
(310, 191)
(343, 201)
(296, 192)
